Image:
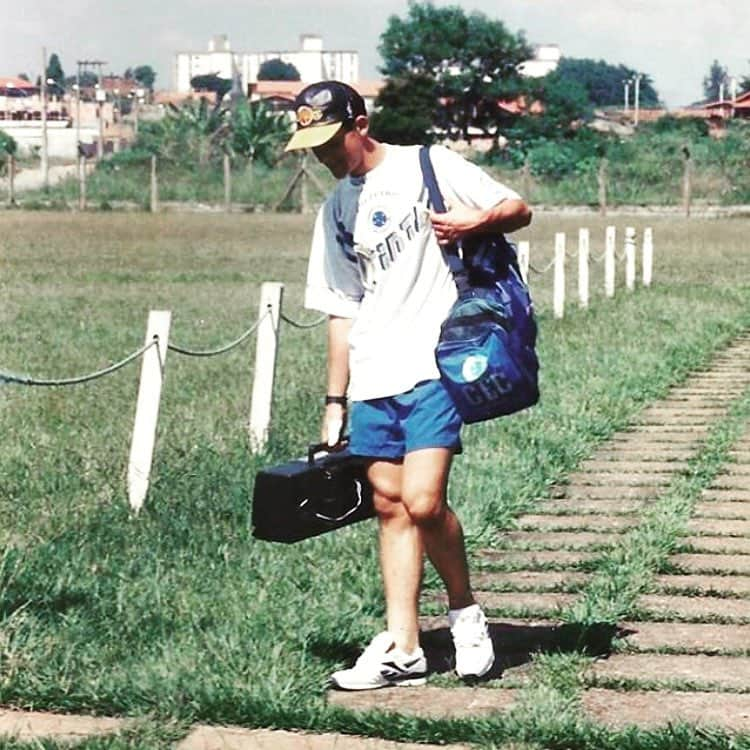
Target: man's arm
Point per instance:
(334, 419)
(460, 220)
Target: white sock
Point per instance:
(454, 614)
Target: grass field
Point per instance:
(179, 615)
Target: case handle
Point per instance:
(324, 447)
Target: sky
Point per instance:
(673, 41)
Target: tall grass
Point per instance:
(179, 614)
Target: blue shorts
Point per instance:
(391, 427)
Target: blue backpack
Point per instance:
(486, 352)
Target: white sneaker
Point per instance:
(383, 664)
(474, 652)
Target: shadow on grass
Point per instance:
(515, 644)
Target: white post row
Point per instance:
(523, 259)
(630, 258)
(648, 256)
(147, 408)
(269, 315)
(583, 267)
(558, 294)
(609, 262)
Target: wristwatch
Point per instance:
(341, 400)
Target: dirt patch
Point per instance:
(646, 477)
(723, 544)
(723, 672)
(548, 580)
(594, 506)
(29, 725)
(631, 466)
(458, 702)
(688, 637)
(618, 709)
(719, 527)
(695, 607)
(730, 584)
(645, 452)
(607, 492)
(561, 539)
(236, 738)
(722, 495)
(547, 605)
(703, 563)
(535, 559)
(721, 509)
(591, 522)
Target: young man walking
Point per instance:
(377, 270)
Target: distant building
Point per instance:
(281, 94)
(739, 106)
(311, 60)
(16, 87)
(546, 59)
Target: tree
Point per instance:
(8, 144)
(276, 69)
(744, 84)
(87, 79)
(145, 75)
(406, 110)
(471, 60)
(211, 82)
(715, 81)
(258, 133)
(565, 102)
(55, 74)
(605, 83)
(24, 77)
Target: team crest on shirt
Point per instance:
(378, 219)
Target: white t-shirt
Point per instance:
(389, 275)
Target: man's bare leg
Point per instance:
(401, 554)
(424, 489)
(414, 517)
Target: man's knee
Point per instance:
(425, 508)
(388, 506)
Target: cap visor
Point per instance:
(313, 136)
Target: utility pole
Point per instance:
(78, 106)
(45, 146)
(637, 78)
(626, 83)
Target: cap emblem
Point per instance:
(307, 115)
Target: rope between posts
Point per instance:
(7, 377)
(542, 270)
(305, 324)
(222, 349)
(599, 258)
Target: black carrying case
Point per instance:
(307, 497)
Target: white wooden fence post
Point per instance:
(558, 302)
(154, 187)
(147, 407)
(648, 255)
(583, 267)
(630, 258)
(523, 259)
(269, 313)
(609, 262)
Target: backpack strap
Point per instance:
(456, 265)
